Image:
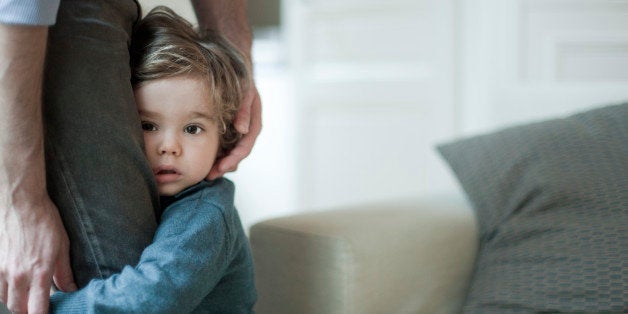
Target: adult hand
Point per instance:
(229, 18)
(35, 251)
(248, 121)
(34, 246)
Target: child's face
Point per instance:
(180, 134)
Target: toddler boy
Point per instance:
(187, 87)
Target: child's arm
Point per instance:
(183, 264)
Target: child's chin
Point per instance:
(168, 191)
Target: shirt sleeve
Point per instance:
(29, 12)
(176, 272)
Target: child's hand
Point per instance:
(248, 121)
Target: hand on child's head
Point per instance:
(248, 121)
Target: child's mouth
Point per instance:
(166, 172)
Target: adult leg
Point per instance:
(97, 173)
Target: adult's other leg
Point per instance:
(97, 173)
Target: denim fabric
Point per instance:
(98, 175)
(199, 262)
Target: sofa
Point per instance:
(539, 226)
(414, 256)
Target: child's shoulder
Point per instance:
(207, 196)
(219, 192)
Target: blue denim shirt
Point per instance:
(199, 261)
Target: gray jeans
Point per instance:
(97, 173)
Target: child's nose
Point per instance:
(170, 146)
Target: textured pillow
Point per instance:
(552, 204)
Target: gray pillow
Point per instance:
(552, 204)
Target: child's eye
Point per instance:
(148, 126)
(193, 129)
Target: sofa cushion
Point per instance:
(551, 200)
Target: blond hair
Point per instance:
(166, 45)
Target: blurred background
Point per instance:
(357, 93)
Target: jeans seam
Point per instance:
(85, 226)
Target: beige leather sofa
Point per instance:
(407, 257)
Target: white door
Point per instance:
(375, 92)
(524, 60)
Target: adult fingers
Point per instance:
(230, 163)
(17, 295)
(217, 170)
(3, 292)
(39, 294)
(256, 116)
(245, 145)
(242, 119)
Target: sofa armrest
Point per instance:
(412, 257)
